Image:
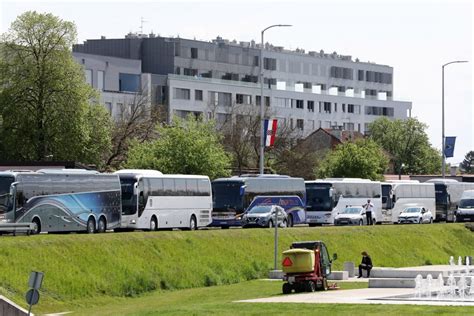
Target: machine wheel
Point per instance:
(192, 223)
(290, 221)
(286, 288)
(153, 224)
(102, 227)
(91, 225)
(270, 224)
(36, 226)
(310, 286)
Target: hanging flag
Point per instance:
(270, 132)
(449, 143)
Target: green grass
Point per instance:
(84, 270)
(220, 300)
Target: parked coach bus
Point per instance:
(152, 200)
(448, 195)
(233, 196)
(398, 195)
(61, 200)
(328, 197)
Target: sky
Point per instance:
(415, 37)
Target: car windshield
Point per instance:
(413, 210)
(5, 183)
(466, 203)
(260, 210)
(351, 210)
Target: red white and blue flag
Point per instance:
(270, 132)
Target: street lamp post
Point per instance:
(262, 99)
(443, 166)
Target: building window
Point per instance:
(360, 76)
(335, 107)
(350, 108)
(194, 53)
(129, 82)
(327, 107)
(108, 107)
(190, 72)
(380, 111)
(269, 63)
(341, 72)
(300, 124)
(198, 95)
(299, 104)
(349, 126)
(311, 106)
(258, 98)
(243, 99)
(256, 60)
(182, 94)
(100, 80)
(88, 73)
(220, 98)
(344, 107)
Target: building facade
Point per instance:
(217, 79)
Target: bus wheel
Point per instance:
(102, 225)
(36, 226)
(192, 223)
(153, 224)
(91, 225)
(286, 288)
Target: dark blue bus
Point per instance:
(233, 196)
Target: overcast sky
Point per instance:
(415, 37)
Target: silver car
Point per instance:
(352, 215)
(264, 216)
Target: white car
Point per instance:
(415, 215)
(352, 215)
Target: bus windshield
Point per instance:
(5, 183)
(129, 200)
(318, 198)
(227, 195)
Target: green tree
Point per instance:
(467, 165)
(360, 159)
(407, 143)
(188, 146)
(46, 107)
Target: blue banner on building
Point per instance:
(449, 143)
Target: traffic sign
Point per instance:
(32, 296)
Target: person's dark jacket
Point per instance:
(367, 261)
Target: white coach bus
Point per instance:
(152, 200)
(398, 195)
(327, 197)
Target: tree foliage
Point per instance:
(47, 110)
(467, 165)
(188, 146)
(360, 159)
(407, 143)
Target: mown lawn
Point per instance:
(86, 270)
(220, 300)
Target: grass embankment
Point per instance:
(83, 269)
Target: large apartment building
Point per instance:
(303, 90)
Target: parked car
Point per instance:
(352, 215)
(264, 216)
(415, 215)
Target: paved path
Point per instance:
(360, 296)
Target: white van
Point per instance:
(465, 209)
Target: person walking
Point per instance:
(369, 207)
(366, 264)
